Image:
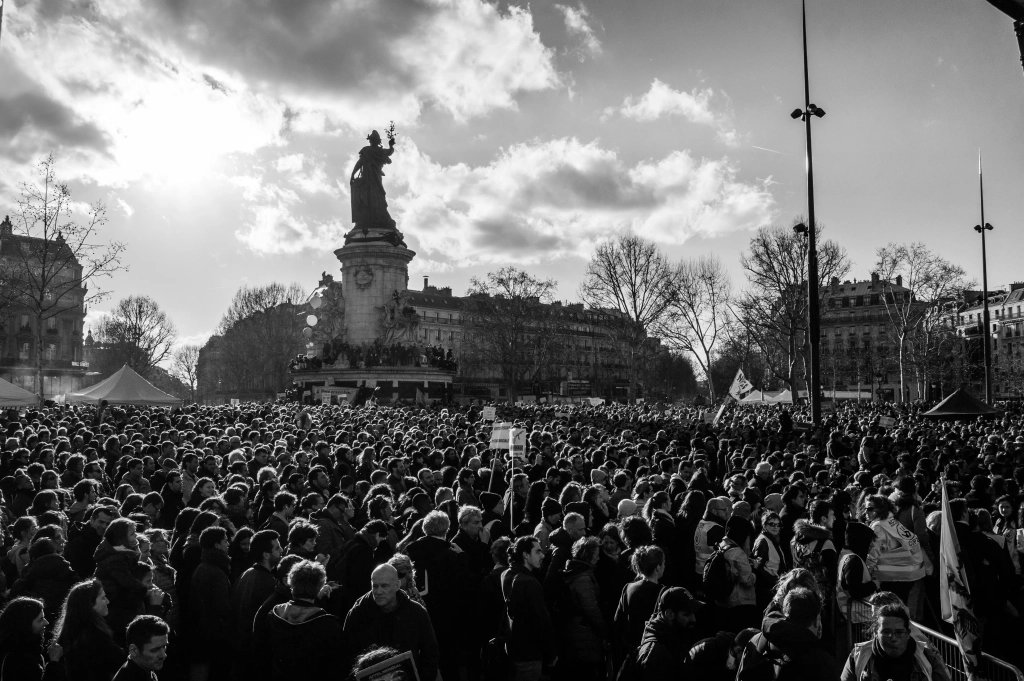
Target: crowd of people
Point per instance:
(337, 353)
(282, 541)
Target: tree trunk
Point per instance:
(39, 356)
(903, 392)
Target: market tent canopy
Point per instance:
(960, 404)
(13, 396)
(124, 387)
(768, 397)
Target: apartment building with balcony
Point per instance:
(1006, 338)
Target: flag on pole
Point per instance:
(740, 386)
(955, 591)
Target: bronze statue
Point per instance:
(369, 205)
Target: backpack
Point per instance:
(760, 661)
(718, 582)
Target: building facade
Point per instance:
(1006, 341)
(64, 366)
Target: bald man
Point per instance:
(386, 616)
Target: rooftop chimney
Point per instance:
(899, 280)
(426, 283)
(874, 280)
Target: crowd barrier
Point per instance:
(992, 668)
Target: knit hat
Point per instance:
(598, 476)
(774, 502)
(550, 507)
(627, 507)
(719, 504)
(489, 500)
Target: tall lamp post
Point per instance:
(1015, 10)
(813, 321)
(987, 330)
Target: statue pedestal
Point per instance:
(371, 271)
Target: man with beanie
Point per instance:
(493, 510)
(668, 635)
(552, 512)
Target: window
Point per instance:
(860, 301)
(24, 321)
(874, 299)
(846, 302)
(438, 334)
(23, 352)
(51, 324)
(51, 351)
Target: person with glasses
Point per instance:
(893, 654)
(769, 559)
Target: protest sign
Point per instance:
(499, 435)
(489, 413)
(886, 421)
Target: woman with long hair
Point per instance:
(84, 637)
(204, 489)
(239, 552)
(658, 512)
(690, 514)
(22, 624)
(772, 560)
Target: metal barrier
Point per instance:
(992, 668)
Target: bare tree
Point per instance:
(511, 325)
(261, 331)
(920, 290)
(185, 367)
(630, 278)
(773, 309)
(699, 314)
(137, 333)
(55, 262)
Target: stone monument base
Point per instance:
(392, 384)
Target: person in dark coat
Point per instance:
(334, 530)
(303, 636)
(664, 648)
(586, 630)
(636, 604)
(47, 577)
(795, 637)
(89, 650)
(445, 575)
(531, 640)
(259, 649)
(209, 607)
(717, 657)
(117, 559)
(386, 616)
(250, 592)
(82, 545)
(573, 529)
(353, 569)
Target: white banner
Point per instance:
(886, 421)
(489, 413)
(499, 435)
(740, 386)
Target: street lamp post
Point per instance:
(987, 324)
(813, 322)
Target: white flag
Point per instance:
(955, 592)
(740, 386)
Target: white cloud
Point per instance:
(545, 200)
(577, 25)
(696, 106)
(125, 207)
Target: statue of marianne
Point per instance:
(369, 205)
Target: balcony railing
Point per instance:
(47, 363)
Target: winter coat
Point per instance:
(743, 578)
(48, 578)
(22, 661)
(910, 515)
(445, 573)
(561, 554)
(897, 556)
(813, 550)
(663, 527)
(806, 657)
(80, 550)
(302, 640)
(586, 629)
(636, 605)
(531, 633)
(92, 657)
(406, 628)
(127, 594)
(927, 662)
(253, 588)
(209, 606)
(163, 578)
(663, 653)
(332, 536)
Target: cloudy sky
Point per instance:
(221, 133)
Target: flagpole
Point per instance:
(983, 227)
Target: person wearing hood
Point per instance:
(668, 636)
(586, 629)
(794, 640)
(302, 636)
(48, 577)
(209, 607)
(387, 617)
(116, 558)
(892, 653)
(812, 547)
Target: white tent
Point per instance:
(768, 397)
(124, 387)
(13, 396)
